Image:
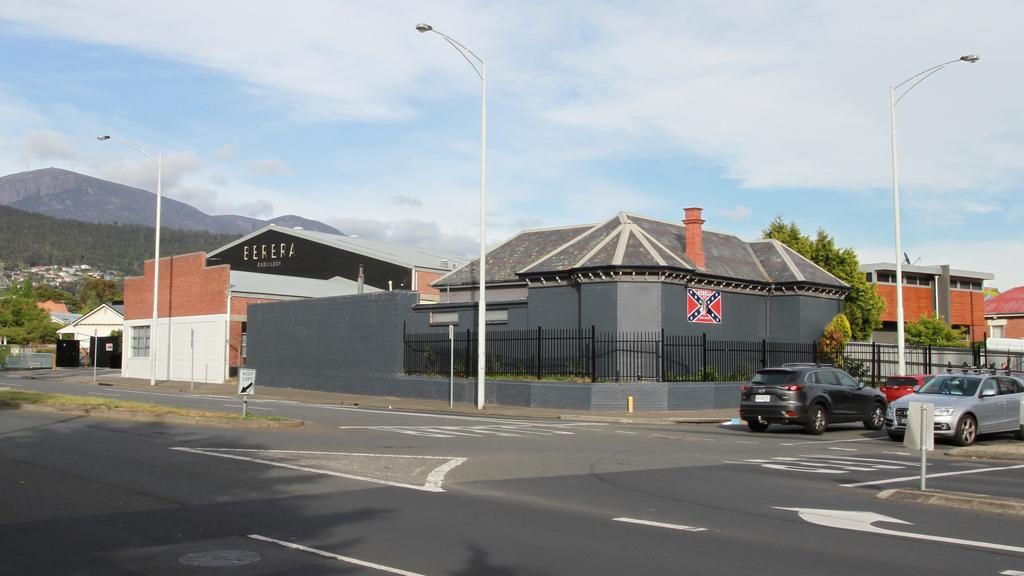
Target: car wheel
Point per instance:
(757, 425)
(1019, 434)
(818, 421)
(966, 431)
(877, 418)
(895, 437)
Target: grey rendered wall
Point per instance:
(345, 343)
(639, 306)
(801, 318)
(598, 306)
(554, 307)
(743, 315)
(518, 317)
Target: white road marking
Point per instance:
(105, 394)
(625, 432)
(193, 396)
(504, 430)
(940, 475)
(433, 483)
(666, 436)
(842, 449)
(744, 442)
(898, 453)
(863, 522)
(832, 441)
(660, 524)
(333, 556)
(824, 463)
(1012, 573)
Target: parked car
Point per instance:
(966, 403)
(896, 387)
(810, 395)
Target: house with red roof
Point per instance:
(1004, 314)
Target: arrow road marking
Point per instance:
(863, 522)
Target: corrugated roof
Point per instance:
(276, 285)
(409, 256)
(1009, 302)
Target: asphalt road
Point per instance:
(360, 491)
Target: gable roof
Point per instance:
(408, 256)
(632, 241)
(1009, 302)
(83, 319)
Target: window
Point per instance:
(140, 341)
(245, 340)
(868, 276)
(997, 331)
(847, 380)
(828, 377)
(497, 316)
(444, 318)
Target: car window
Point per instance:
(827, 377)
(847, 380)
(989, 387)
(900, 381)
(952, 385)
(1007, 386)
(772, 377)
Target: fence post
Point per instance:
(704, 355)
(764, 352)
(814, 350)
(593, 353)
(469, 354)
(876, 371)
(538, 353)
(661, 361)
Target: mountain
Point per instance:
(28, 239)
(65, 194)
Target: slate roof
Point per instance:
(1009, 302)
(631, 241)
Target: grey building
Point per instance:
(632, 273)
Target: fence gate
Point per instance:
(107, 350)
(67, 354)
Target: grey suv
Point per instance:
(811, 395)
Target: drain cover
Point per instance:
(219, 558)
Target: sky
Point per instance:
(341, 111)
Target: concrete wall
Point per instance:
(340, 344)
(187, 348)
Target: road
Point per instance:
(359, 491)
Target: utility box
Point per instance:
(920, 434)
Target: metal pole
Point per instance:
(192, 347)
(156, 273)
(95, 351)
(481, 368)
(245, 405)
(923, 423)
(901, 368)
(451, 365)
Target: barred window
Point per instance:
(140, 341)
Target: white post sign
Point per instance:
(920, 434)
(246, 386)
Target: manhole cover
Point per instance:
(217, 558)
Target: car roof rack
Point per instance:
(971, 369)
(815, 364)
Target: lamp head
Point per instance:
(421, 27)
(972, 58)
(101, 138)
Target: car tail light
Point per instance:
(794, 387)
(790, 414)
(744, 388)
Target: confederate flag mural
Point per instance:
(704, 306)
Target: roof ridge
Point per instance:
(789, 261)
(601, 244)
(564, 246)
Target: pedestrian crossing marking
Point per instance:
(501, 430)
(826, 463)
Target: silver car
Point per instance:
(966, 404)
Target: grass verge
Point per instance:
(65, 402)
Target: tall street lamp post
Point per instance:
(156, 158)
(894, 99)
(481, 71)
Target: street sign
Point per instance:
(247, 381)
(110, 346)
(920, 434)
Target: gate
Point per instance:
(67, 354)
(107, 350)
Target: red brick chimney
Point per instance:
(694, 235)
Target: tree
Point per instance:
(932, 331)
(22, 322)
(863, 306)
(96, 291)
(837, 333)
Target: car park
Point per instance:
(966, 403)
(896, 387)
(813, 396)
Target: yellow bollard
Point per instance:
(629, 404)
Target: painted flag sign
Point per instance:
(704, 306)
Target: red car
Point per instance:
(899, 386)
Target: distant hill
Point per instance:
(70, 195)
(35, 240)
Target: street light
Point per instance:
(893, 101)
(157, 158)
(481, 359)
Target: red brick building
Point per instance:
(204, 298)
(1004, 314)
(953, 295)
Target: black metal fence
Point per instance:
(588, 355)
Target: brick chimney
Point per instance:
(694, 235)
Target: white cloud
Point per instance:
(44, 145)
(225, 152)
(268, 167)
(737, 214)
(409, 232)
